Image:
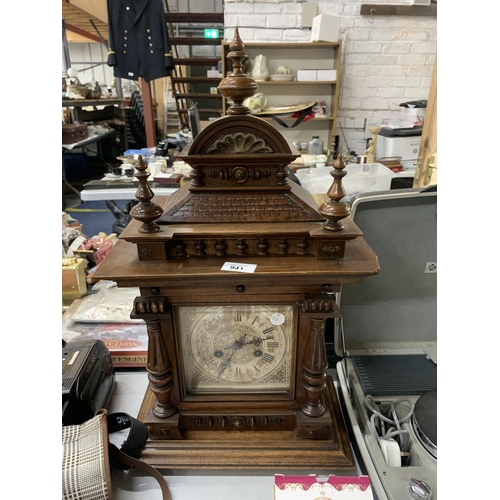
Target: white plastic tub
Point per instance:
(359, 179)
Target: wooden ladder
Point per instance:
(190, 83)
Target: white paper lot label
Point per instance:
(238, 268)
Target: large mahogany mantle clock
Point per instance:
(238, 272)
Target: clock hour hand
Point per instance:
(256, 341)
(237, 344)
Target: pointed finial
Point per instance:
(237, 86)
(335, 210)
(145, 211)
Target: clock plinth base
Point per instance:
(273, 450)
(162, 428)
(314, 428)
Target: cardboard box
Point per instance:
(306, 75)
(325, 28)
(330, 488)
(326, 75)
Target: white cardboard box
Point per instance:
(306, 75)
(325, 28)
(326, 75)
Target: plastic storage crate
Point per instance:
(360, 178)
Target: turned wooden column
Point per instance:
(314, 370)
(159, 366)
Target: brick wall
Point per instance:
(386, 60)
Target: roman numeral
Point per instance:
(270, 343)
(238, 314)
(268, 330)
(237, 371)
(256, 318)
(208, 358)
(256, 368)
(267, 357)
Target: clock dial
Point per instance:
(245, 348)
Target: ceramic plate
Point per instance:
(281, 78)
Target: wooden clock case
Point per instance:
(240, 207)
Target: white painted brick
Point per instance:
(297, 35)
(423, 48)
(359, 34)
(375, 82)
(391, 93)
(364, 70)
(376, 103)
(292, 8)
(238, 8)
(352, 103)
(253, 21)
(230, 20)
(332, 8)
(426, 82)
(423, 71)
(350, 9)
(430, 60)
(387, 35)
(246, 34)
(395, 71)
(408, 82)
(365, 22)
(392, 2)
(412, 60)
(283, 21)
(269, 9)
(362, 92)
(371, 59)
(264, 35)
(395, 48)
(367, 47)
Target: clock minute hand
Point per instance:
(235, 346)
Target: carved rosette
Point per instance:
(239, 142)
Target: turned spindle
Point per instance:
(145, 211)
(335, 210)
(237, 86)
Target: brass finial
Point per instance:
(237, 86)
(335, 210)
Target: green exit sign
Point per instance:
(211, 33)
